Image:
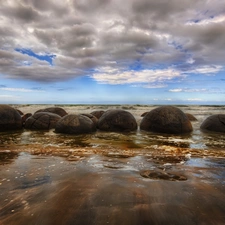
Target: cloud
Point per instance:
(188, 90)
(84, 37)
(112, 75)
(19, 89)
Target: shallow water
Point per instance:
(113, 178)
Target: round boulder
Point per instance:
(10, 118)
(191, 117)
(214, 123)
(57, 110)
(166, 119)
(42, 121)
(75, 124)
(92, 117)
(98, 113)
(25, 117)
(117, 120)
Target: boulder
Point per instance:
(42, 121)
(75, 124)
(10, 118)
(57, 110)
(214, 123)
(117, 120)
(25, 117)
(143, 114)
(191, 117)
(98, 113)
(166, 119)
(92, 117)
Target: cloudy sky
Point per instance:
(112, 51)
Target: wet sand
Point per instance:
(98, 189)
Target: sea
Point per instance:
(113, 178)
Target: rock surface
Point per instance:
(166, 119)
(98, 113)
(10, 118)
(117, 120)
(75, 124)
(214, 123)
(42, 121)
(191, 117)
(57, 110)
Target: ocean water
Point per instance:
(113, 178)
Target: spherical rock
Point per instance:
(214, 123)
(190, 117)
(25, 117)
(98, 113)
(42, 121)
(143, 114)
(10, 118)
(166, 119)
(92, 117)
(57, 110)
(75, 124)
(117, 120)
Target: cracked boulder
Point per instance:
(42, 121)
(10, 118)
(117, 120)
(166, 119)
(215, 123)
(57, 110)
(98, 113)
(75, 124)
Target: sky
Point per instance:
(112, 52)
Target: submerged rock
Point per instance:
(42, 121)
(214, 123)
(10, 118)
(166, 119)
(57, 110)
(117, 120)
(75, 124)
(162, 175)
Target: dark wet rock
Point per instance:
(117, 120)
(7, 156)
(98, 113)
(57, 110)
(191, 117)
(162, 175)
(75, 124)
(214, 123)
(42, 121)
(19, 111)
(25, 117)
(92, 117)
(10, 118)
(143, 114)
(166, 119)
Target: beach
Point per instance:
(113, 178)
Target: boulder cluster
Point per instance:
(163, 119)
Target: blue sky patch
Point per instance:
(46, 57)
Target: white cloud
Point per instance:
(147, 77)
(19, 89)
(207, 69)
(188, 90)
